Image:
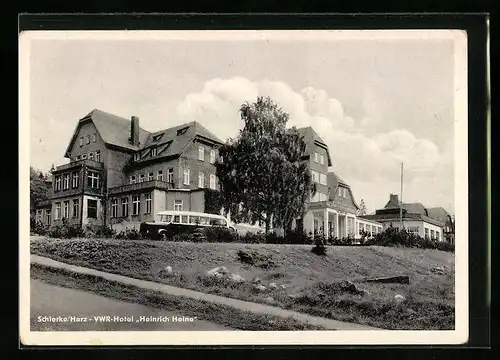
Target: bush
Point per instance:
(319, 247)
(66, 231)
(37, 227)
(220, 234)
(102, 232)
(393, 236)
(129, 234)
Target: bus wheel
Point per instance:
(163, 236)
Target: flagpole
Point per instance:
(401, 201)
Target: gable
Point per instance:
(312, 139)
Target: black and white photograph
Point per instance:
(243, 187)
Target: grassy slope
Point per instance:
(430, 297)
(222, 315)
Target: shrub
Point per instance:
(297, 237)
(66, 231)
(37, 227)
(105, 232)
(129, 234)
(319, 247)
(252, 238)
(393, 236)
(220, 234)
(445, 246)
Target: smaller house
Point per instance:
(431, 223)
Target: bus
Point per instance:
(170, 223)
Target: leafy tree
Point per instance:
(261, 174)
(38, 188)
(362, 208)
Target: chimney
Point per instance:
(134, 131)
(394, 199)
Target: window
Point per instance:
(57, 215)
(92, 209)
(136, 204)
(316, 157)
(412, 229)
(75, 179)
(48, 216)
(132, 179)
(314, 175)
(432, 234)
(141, 178)
(98, 156)
(426, 232)
(66, 209)
(159, 175)
(84, 156)
(91, 156)
(437, 236)
(212, 181)
(153, 152)
(93, 179)
(182, 131)
(201, 180)
(170, 175)
(148, 204)
(186, 177)
(66, 182)
(137, 156)
(322, 159)
(94, 137)
(157, 137)
(38, 217)
(76, 208)
(178, 205)
(201, 153)
(81, 141)
(77, 158)
(322, 179)
(124, 206)
(151, 176)
(58, 183)
(87, 139)
(184, 219)
(212, 156)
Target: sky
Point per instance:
(376, 103)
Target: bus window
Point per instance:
(194, 219)
(169, 218)
(177, 219)
(185, 219)
(166, 218)
(204, 220)
(218, 222)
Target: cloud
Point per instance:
(369, 160)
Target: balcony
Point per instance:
(146, 185)
(76, 164)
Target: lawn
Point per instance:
(308, 279)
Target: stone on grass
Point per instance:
(399, 298)
(168, 270)
(364, 292)
(273, 286)
(282, 286)
(213, 271)
(237, 278)
(260, 287)
(270, 300)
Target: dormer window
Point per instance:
(94, 137)
(81, 141)
(137, 156)
(153, 152)
(321, 159)
(87, 139)
(182, 131)
(316, 157)
(157, 137)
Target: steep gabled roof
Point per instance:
(415, 208)
(333, 181)
(311, 137)
(192, 129)
(439, 214)
(113, 129)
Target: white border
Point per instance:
(383, 337)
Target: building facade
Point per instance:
(431, 223)
(332, 210)
(120, 174)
